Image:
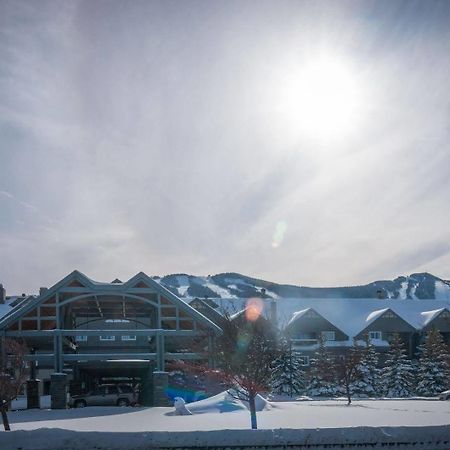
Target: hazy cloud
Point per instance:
(152, 136)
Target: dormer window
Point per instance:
(375, 335)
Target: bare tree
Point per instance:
(246, 352)
(13, 374)
(348, 369)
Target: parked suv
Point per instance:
(105, 395)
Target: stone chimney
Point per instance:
(42, 290)
(2, 294)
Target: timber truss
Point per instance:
(81, 320)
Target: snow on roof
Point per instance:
(349, 315)
(4, 309)
(374, 315)
(428, 316)
(299, 314)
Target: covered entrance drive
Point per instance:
(86, 332)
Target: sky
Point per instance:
(302, 142)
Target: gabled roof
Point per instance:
(374, 315)
(299, 314)
(76, 275)
(429, 316)
(349, 314)
(20, 310)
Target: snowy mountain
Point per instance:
(235, 285)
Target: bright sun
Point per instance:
(323, 99)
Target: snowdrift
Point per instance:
(224, 403)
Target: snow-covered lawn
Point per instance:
(223, 422)
(220, 413)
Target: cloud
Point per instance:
(6, 194)
(149, 137)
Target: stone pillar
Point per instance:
(58, 390)
(160, 385)
(33, 398)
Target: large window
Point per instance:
(128, 338)
(107, 338)
(328, 335)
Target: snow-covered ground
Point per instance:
(221, 422)
(223, 415)
(21, 402)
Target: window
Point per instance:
(128, 338)
(328, 335)
(306, 336)
(107, 338)
(126, 389)
(81, 338)
(113, 390)
(303, 360)
(374, 334)
(389, 315)
(101, 390)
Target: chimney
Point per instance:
(273, 313)
(380, 294)
(42, 290)
(263, 292)
(2, 294)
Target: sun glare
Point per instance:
(323, 99)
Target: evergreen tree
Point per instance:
(288, 376)
(321, 380)
(369, 383)
(433, 368)
(398, 372)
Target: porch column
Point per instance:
(160, 351)
(33, 397)
(57, 352)
(160, 385)
(58, 390)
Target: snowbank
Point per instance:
(420, 438)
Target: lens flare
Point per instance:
(278, 235)
(242, 341)
(253, 309)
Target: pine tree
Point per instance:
(288, 376)
(433, 368)
(321, 380)
(398, 372)
(368, 385)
